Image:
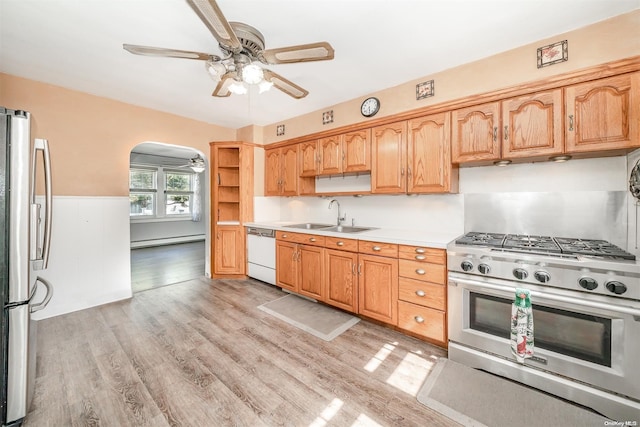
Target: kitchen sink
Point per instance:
(347, 229)
(309, 226)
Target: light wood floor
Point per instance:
(166, 265)
(200, 353)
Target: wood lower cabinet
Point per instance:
(422, 294)
(287, 265)
(311, 271)
(476, 133)
(603, 115)
(341, 282)
(378, 288)
(229, 255)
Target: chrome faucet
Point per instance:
(340, 218)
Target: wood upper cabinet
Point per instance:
(311, 271)
(309, 158)
(287, 265)
(532, 125)
(229, 255)
(429, 168)
(389, 158)
(341, 284)
(603, 114)
(356, 149)
(378, 288)
(345, 153)
(476, 133)
(281, 171)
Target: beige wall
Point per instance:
(609, 40)
(91, 137)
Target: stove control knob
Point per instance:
(520, 273)
(466, 265)
(484, 268)
(542, 276)
(588, 283)
(616, 287)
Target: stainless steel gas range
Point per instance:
(586, 313)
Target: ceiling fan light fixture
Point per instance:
(238, 88)
(215, 70)
(252, 74)
(197, 164)
(264, 86)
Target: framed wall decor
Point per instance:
(327, 117)
(280, 130)
(424, 89)
(553, 53)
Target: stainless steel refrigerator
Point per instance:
(25, 237)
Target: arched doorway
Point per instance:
(168, 215)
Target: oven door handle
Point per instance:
(550, 297)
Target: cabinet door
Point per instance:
(310, 271)
(378, 288)
(389, 158)
(229, 250)
(308, 152)
(289, 170)
(476, 133)
(286, 265)
(356, 151)
(330, 155)
(428, 154)
(341, 285)
(532, 125)
(272, 172)
(603, 114)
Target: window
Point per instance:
(178, 193)
(142, 192)
(151, 188)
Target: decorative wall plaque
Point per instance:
(553, 53)
(424, 89)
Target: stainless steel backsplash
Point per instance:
(579, 214)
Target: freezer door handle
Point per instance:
(42, 304)
(42, 259)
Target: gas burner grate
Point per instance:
(594, 248)
(531, 242)
(482, 239)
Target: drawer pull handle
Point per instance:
(377, 248)
(420, 293)
(419, 250)
(340, 243)
(420, 271)
(312, 239)
(419, 319)
(420, 257)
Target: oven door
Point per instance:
(585, 337)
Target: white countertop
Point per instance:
(385, 235)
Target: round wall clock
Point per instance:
(370, 107)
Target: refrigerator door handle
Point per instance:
(42, 304)
(42, 260)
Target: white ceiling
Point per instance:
(378, 44)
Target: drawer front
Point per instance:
(377, 248)
(418, 270)
(312, 239)
(288, 236)
(422, 293)
(423, 321)
(421, 253)
(340, 244)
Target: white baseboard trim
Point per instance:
(167, 241)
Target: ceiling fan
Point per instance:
(195, 163)
(242, 47)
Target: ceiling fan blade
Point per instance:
(168, 53)
(222, 89)
(320, 51)
(210, 13)
(285, 85)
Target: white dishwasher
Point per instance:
(261, 254)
